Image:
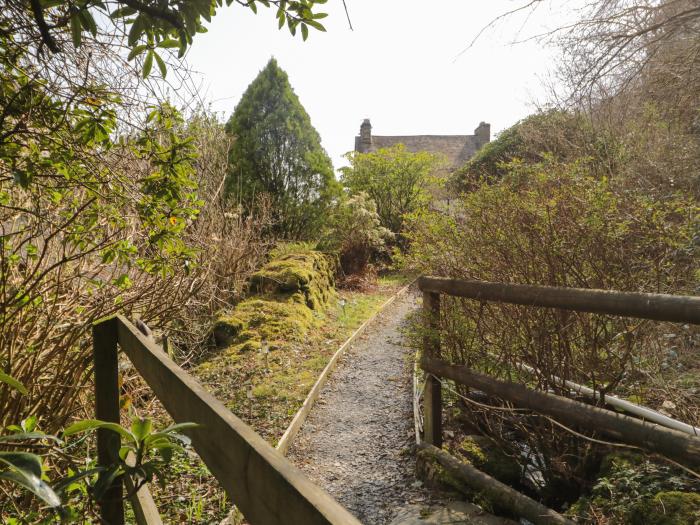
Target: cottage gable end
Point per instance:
(457, 149)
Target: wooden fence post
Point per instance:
(432, 401)
(105, 359)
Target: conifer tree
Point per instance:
(278, 152)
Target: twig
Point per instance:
(347, 15)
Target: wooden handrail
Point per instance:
(670, 443)
(267, 488)
(658, 307)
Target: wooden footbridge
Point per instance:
(269, 490)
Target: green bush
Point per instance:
(278, 152)
(557, 134)
(355, 233)
(552, 223)
(397, 180)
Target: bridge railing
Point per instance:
(265, 486)
(661, 307)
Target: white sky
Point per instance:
(399, 66)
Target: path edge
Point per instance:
(295, 426)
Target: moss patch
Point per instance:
(271, 318)
(631, 489)
(483, 454)
(291, 293)
(307, 276)
(667, 508)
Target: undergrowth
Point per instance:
(279, 384)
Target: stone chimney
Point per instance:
(366, 134)
(482, 134)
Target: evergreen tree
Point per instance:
(278, 152)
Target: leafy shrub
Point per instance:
(552, 223)
(397, 180)
(229, 245)
(633, 490)
(562, 135)
(153, 240)
(144, 455)
(85, 238)
(355, 234)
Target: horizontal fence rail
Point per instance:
(673, 444)
(657, 307)
(267, 488)
(670, 443)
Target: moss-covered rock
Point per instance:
(306, 275)
(291, 290)
(273, 318)
(483, 454)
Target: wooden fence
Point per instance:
(673, 444)
(258, 479)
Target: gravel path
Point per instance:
(356, 442)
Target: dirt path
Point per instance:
(356, 441)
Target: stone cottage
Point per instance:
(457, 149)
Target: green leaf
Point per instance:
(141, 428)
(30, 423)
(169, 44)
(147, 64)
(22, 461)
(88, 22)
(35, 485)
(316, 25)
(304, 31)
(25, 470)
(137, 50)
(183, 44)
(12, 382)
(87, 425)
(122, 12)
(28, 436)
(177, 427)
(135, 31)
(190, 15)
(166, 453)
(61, 485)
(105, 479)
(161, 64)
(76, 30)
